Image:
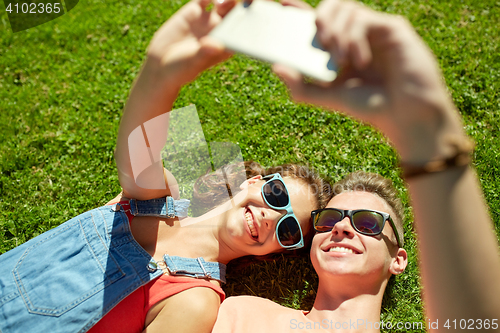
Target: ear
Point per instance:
(250, 181)
(399, 262)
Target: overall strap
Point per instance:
(191, 267)
(195, 267)
(161, 207)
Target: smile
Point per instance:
(251, 224)
(341, 249)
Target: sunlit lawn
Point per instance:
(63, 86)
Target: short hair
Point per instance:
(376, 184)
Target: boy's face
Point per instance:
(345, 252)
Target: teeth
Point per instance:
(248, 217)
(341, 249)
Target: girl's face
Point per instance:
(251, 223)
(344, 251)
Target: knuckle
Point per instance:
(331, 40)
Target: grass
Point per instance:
(63, 86)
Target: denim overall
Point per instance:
(68, 278)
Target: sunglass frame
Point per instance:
(349, 213)
(288, 208)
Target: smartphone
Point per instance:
(274, 33)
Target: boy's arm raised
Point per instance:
(391, 79)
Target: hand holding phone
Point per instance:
(278, 34)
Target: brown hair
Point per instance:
(376, 184)
(211, 189)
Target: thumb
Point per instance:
(352, 96)
(191, 57)
(301, 91)
(211, 47)
(213, 51)
(293, 80)
(201, 55)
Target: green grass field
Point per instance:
(63, 86)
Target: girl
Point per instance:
(129, 266)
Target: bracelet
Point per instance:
(463, 148)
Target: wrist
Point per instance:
(158, 78)
(460, 156)
(438, 146)
(435, 137)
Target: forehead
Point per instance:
(360, 200)
(302, 197)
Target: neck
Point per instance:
(204, 233)
(347, 307)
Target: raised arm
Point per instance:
(178, 52)
(391, 79)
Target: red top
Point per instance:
(130, 314)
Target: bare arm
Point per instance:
(458, 250)
(391, 79)
(192, 310)
(149, 98)
(178, 52)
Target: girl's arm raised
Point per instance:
(178, 52)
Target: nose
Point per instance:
(343, 228)
(270, 217)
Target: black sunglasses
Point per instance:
(365, 221)
(288, 230)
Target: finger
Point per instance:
(291, 77)
(338, 31)
(299, 91)
(332, 27)
(325, 13)
(357, 35)
(203, 3)
(224, 6)
(297, 3)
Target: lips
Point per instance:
(251, 224)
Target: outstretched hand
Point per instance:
(388, 78)
(182, 49)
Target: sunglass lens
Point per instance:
(276, 193)
(326, 220)
(289, 232)
(367, 222)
